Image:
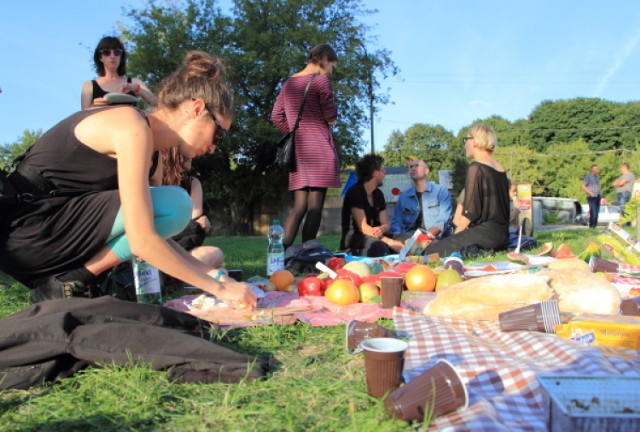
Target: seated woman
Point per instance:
(110, 60)
(174, 165)
(365, 223)
(103, 210)
(483, 219)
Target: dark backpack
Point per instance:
(302, 258)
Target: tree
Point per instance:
(9, 153)
(264, 41)
(432, 143)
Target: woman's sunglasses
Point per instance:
(221, 133)
(108, 52)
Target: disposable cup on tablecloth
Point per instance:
(383, 362)
(359, 331)
(435, 392)
(456, 264)
(630, 306)
(541, 317)
(391, 291)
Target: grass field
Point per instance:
(314, 384)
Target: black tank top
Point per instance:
(99, 92)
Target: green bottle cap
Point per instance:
(276, 222)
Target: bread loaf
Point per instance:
(486, 297)
(581, 292)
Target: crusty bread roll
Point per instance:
(582, 292)
(485, 297)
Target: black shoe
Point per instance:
(51, 288)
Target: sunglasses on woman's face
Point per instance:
(221, 133)
(108, 52)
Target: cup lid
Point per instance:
(384, 345)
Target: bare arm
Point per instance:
(144, 92)
(86, 96)
(132, 145)
(198, 208)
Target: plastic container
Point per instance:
(591, 404)
(275, 250)
(607, 330)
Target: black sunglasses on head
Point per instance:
(107, 52)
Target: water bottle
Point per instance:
(275, 251)
(147, 282)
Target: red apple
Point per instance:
(404, 267)
(311, 286)
(368, 291)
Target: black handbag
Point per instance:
(286, 154)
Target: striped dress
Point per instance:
(316, 156)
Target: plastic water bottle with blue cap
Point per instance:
(275, 251)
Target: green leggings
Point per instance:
(172, 209)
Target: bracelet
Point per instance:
(218, 274)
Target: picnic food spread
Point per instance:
(569, 295)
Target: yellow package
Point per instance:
(608, 330)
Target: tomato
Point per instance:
(342, 292)
(311, 286)
(349, 275)
(336, 263)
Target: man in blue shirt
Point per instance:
(591, 185)
(425, 205)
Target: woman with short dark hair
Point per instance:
(110, 61)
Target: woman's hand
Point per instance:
(98, 102)
(237, 294)
(130, 87)
(204, 222)
(395, 245)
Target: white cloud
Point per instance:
(622, 55)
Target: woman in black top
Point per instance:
(57, 246)
(484, 222)
(110, 60)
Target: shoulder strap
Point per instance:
(304, 98)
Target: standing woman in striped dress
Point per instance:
(317, 166)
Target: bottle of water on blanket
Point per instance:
(275, 251)
(147, 282)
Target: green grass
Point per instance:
(314, 385)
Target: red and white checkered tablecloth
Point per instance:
(500, 368)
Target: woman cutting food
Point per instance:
(57, 245)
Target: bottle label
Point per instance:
(275, 262)
(147, 279)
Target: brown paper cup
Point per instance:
(437, 391)
(391, 290)
(630, 306)
(541, 317)
(383, 362)
(359, 331)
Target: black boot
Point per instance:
(51, 288)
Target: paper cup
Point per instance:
(391, 290)
(359, 331)
(540, 317)
(630, 306)
(455, 263)
(435, 392)
(383, 362)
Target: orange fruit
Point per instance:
(342, 292)
(420, 278)
(282, 279)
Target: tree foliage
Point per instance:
(555, 146)
(9, 153)
(263, 42)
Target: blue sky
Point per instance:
(459, 60)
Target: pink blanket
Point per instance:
(321, 311)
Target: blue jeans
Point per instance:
(594, 209)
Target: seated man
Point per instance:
(425, 205)
(365, 222)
